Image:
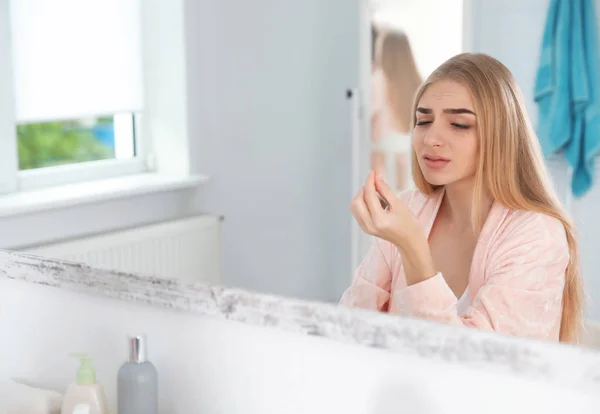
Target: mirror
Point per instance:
(227, 147)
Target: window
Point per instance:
(76, 72)
(54, 143)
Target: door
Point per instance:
(278, 147)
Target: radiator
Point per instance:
(186, 249)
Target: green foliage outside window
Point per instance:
(55, 143)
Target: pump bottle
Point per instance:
(85, 395)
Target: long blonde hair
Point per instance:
(395, 57)
(511, 167)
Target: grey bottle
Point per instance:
(137, 381)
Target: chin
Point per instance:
(437, 178)
(440, 179)
(436, 181)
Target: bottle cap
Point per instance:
(138, 350)
(86, 374)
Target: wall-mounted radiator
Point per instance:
(186, 249)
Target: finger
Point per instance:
(371, 200)
(362, 225)
(363, 217)
(361, 212)
(382, 188)
(359, 196)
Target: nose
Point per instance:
(433, 137)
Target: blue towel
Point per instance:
(567, 88)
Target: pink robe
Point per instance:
(515, 285)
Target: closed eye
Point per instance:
(454, 124)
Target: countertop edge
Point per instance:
(564, 365)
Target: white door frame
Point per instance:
(360, 123)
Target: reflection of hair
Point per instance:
(506, 138)
(394, 56)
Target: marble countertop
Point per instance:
(565, 365)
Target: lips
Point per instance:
(435, 158)
(435, 162)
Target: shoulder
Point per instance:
(521, 223)
(377, 74)
(378, 82)
(536, 234)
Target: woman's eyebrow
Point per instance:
(454, 111)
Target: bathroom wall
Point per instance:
(215, 366)
(271, 126)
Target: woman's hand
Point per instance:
(395, 224)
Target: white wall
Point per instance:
(268, 81)
(213, 366)
(86, 219)
(511, 30)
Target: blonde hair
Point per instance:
(394, 56)
(511, 168)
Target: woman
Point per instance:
(395, 80)
(482, 241)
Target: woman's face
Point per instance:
(445, 138)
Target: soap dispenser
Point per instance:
(85, 395)
(137, 381)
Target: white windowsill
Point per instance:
(93, 191)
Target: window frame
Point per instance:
(8, 134)
(12, 179)
(39, 178)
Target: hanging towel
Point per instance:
(567, 88)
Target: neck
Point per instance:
(458, 204)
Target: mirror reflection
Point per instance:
(352, 155)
